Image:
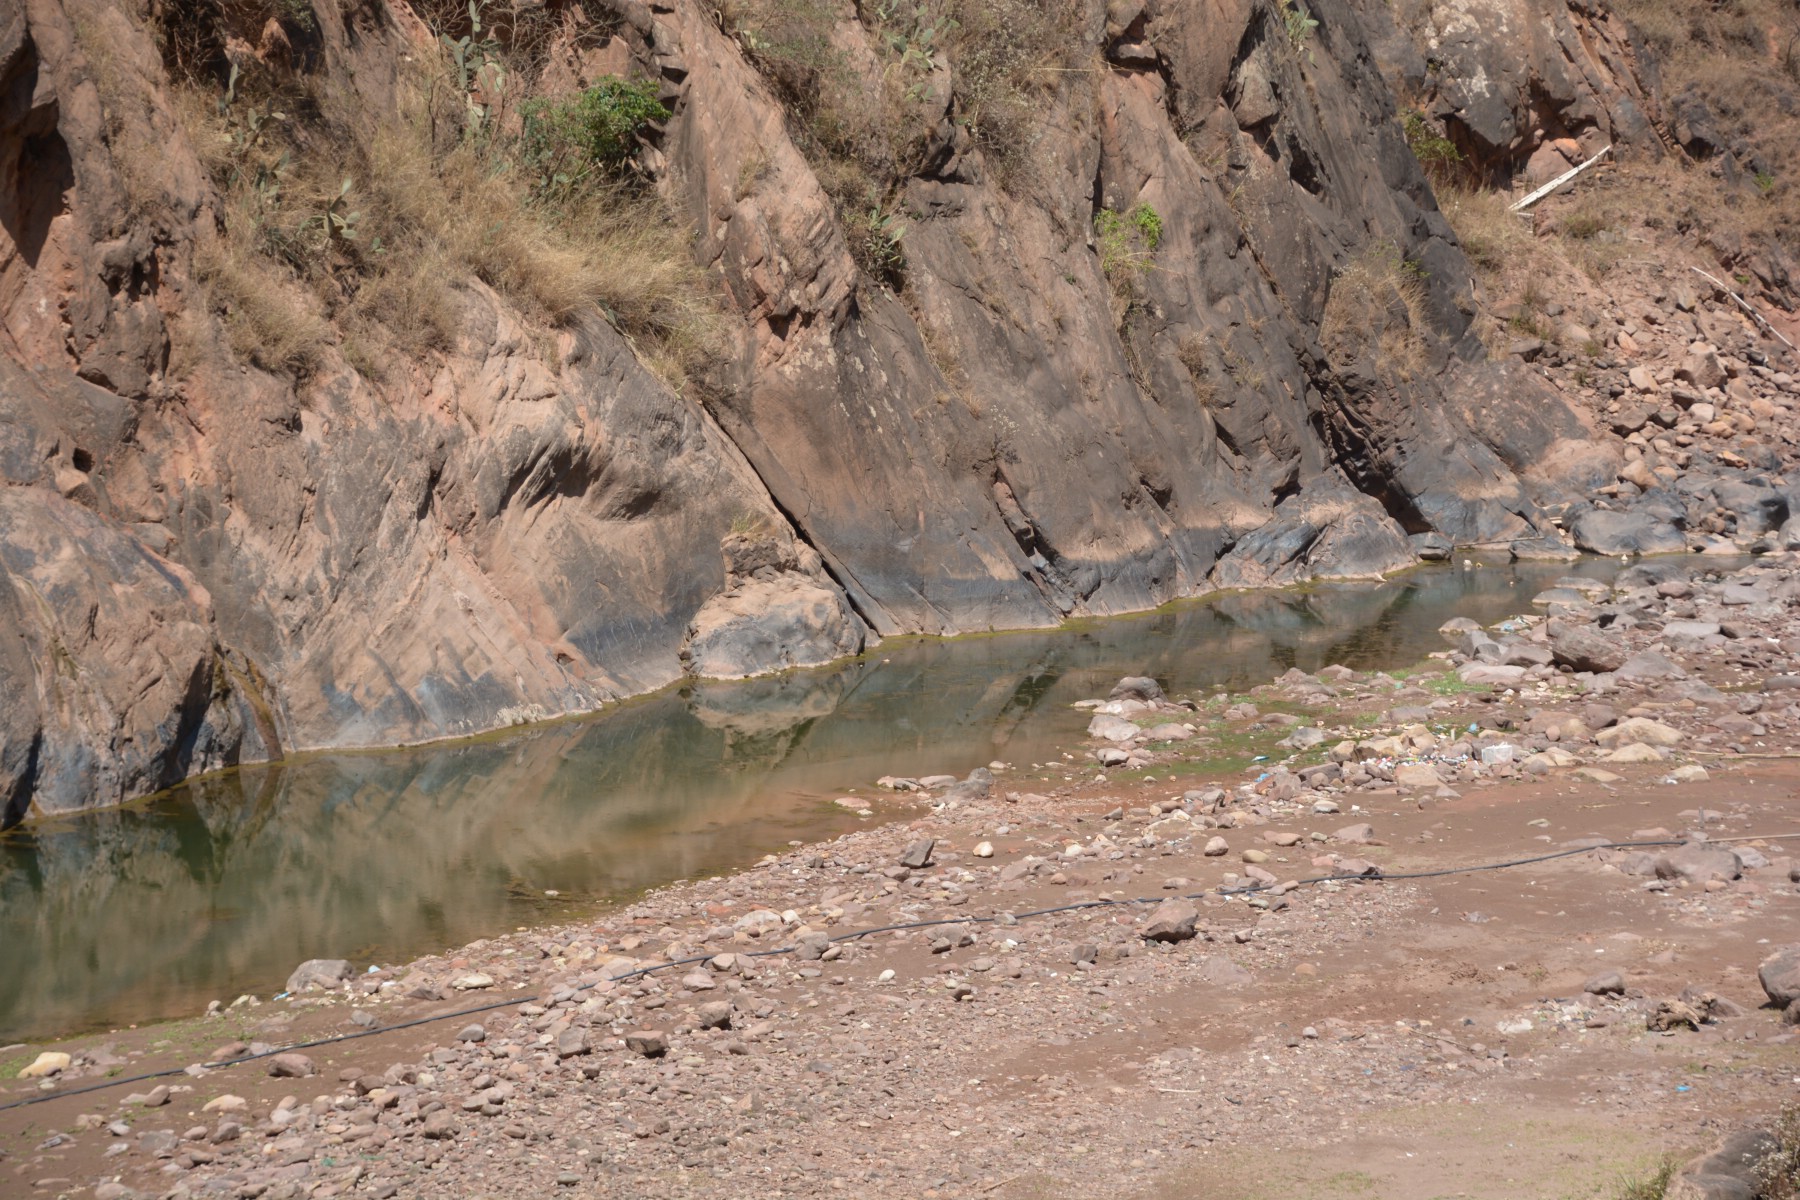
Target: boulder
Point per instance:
(1699, 863)
(316, 973)
(46, 1064)
(1137, 687)
(1491, 674)
(1780, 976)
(1584, 647)
(1171, 921)
(1109, 728)
(1647, 665)
(1729, 1171)
(291, 1066)
(1601, 531)
(651, 1043)
(1701, 367)
(771, 624)
(1638, 729)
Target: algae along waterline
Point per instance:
(222, 886)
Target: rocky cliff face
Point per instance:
(1033, 402)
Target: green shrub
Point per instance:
(1298, 24)
(566, 144)
(1128, 239)
(1126, 242)
(1436, 153)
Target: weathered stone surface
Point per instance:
(1730, 1171)
(778, 610)
(1532, 85)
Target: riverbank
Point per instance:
(149, 911)
(1399, 1038)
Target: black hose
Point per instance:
(842, 937)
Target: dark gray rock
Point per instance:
(1432, 546)
(1137, 687)
(1606, 983)
(1758, 507)
(917, 854)
(1648, 665)
(1330, 533)
(1584, 647)
(1600, 531)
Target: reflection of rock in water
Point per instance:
(764, 719)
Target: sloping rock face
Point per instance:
(207, 562)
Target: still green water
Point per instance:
(221, 887)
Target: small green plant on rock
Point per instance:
(877, 242)
(1126, 242)
(1436, 153)
(1298, 23)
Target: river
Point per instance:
(222, 886)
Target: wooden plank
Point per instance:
(1571, 173)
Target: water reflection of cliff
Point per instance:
(222, 887)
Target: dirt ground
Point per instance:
(1408, 1039)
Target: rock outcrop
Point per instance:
(778, 610)
(1532, 86)
(209, 561)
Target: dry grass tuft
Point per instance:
(270, 318)
(1375, 314)
(1194, 357)
(1742, 58)
(378, 221)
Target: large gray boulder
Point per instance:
(1601, 531)
(315, 973)
(1584, 647)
